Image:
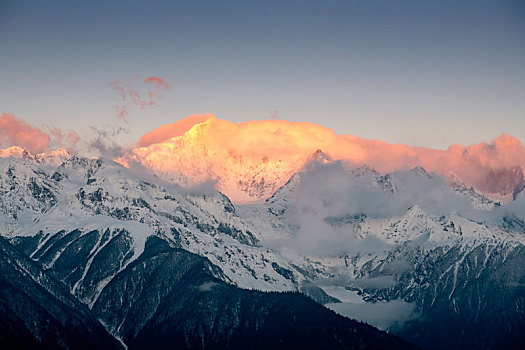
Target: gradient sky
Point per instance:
(426, 73)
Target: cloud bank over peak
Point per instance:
(250, 160)
(168, 131)
(261, 155)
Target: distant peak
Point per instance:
(56, 153)
(415, 210)
(364, 170)
(319, 156)
(16, 152)
(51, 157)
(419, 170)
(454, 181)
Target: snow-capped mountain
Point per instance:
(333, 231)
(186, 160)
(250, 161)
(114, 240)
(99, 202)
(448, 258)
(53, 158)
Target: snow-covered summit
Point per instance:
(53, 158)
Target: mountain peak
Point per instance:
(16, 152)
(250, 160)
(420, 171)
(364, 170)
(52, 158)
(319, 156)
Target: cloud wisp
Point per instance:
(67, 139)
(138, 93)
(17, 132)
(102, 141)
(383, 315)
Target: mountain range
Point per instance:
(135, 258)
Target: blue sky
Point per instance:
(427, 73)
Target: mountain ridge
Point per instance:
(310, 236)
